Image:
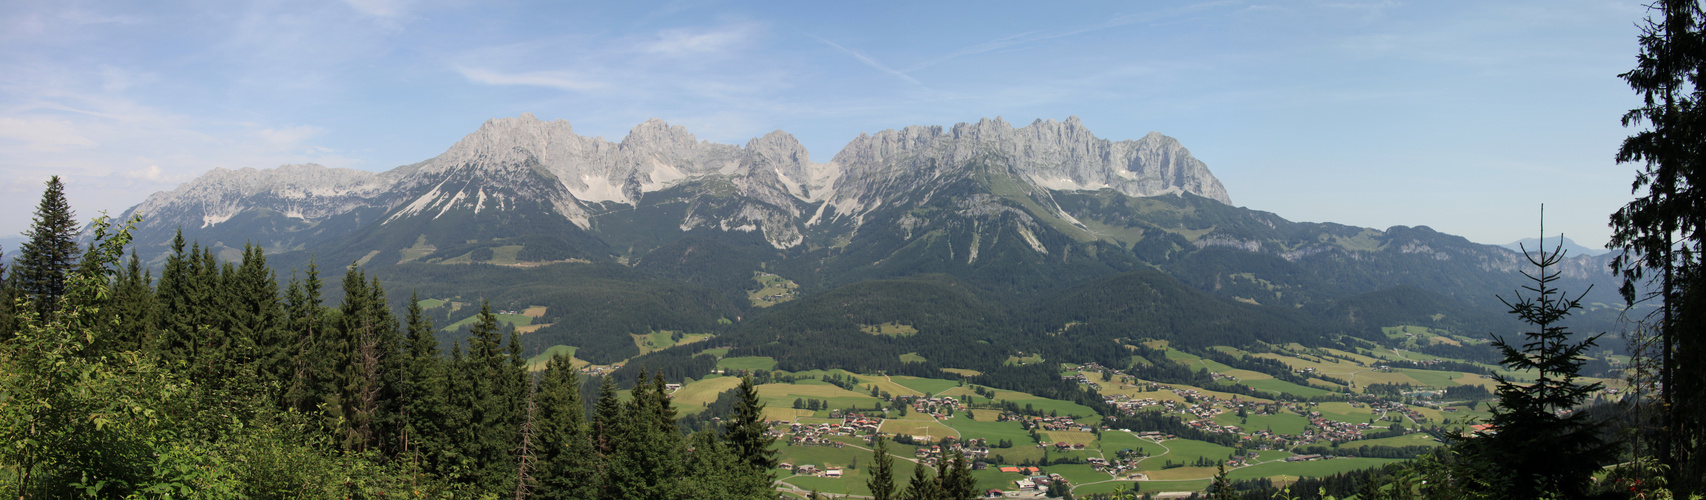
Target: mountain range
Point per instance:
(983, 239)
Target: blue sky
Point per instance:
(1463, 116)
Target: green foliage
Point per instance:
(46, 259)
(881, 482)
(1532, 450)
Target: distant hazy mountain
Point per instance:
(1570, 247)
(10, 244)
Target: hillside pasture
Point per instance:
(748, 363)
(1314, 468)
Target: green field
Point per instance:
(1283, 423)
(538, 362)
(1185, 451)
(1315, 468)
(925, 385)
(748, 363)
(992, 431)
(431, 303)
(512, 319)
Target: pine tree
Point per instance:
(956, 481)
(420, 393)
(746, 429)
(50, 253)
(647, 458)
(882, 471)
(568, 465)
(359, 338)
(306, 320)
(922, 486)
(715, 471)
(131, 310)
(1221, 488)
(1662, 232)
(494, 423)
(1533, 451)
(606, 417)
(256, 316)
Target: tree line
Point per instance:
(208, 382)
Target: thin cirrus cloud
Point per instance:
(556, 79)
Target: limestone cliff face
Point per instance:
(1049, 154)
(777, 189)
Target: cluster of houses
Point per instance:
(852, 424)
(811, 470)
(938, 407)
(975, 451)
(1045, 423)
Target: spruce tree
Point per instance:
(306, 320)
(922, 486)
(606, 417)
(746, 429)
(492, 406)
(420, 394)
(647, 458)
(882, 470)
(50, 252)
(1662, 232)
(1539, 445)
(956, 481)
(568, 465)
(256, 316)
(132, 309)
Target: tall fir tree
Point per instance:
(922, 486)
(132, 309)
(956, 481)
(1662, 232)
(568, 466)
(881, 482)
(312, 374)
(256, 317)
(1540, 446)
(746, 429)
(420, 394)
(647, 457)
(494, 425)
(50, 251)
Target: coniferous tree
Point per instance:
(256, 316)
(922, 486)
(606, 413)
(568, 465)
(647, 459)
(1532, 450)
(882, 470)
(359, 340)
(715, 471)
(306, 320)
(494, 425)
(746, 429)
(956, 481)
(420, 392)
(48, 256)
(1662, 232)
(131, 308)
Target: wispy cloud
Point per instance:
(868, 61)
(700, 41)
(557, 79)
